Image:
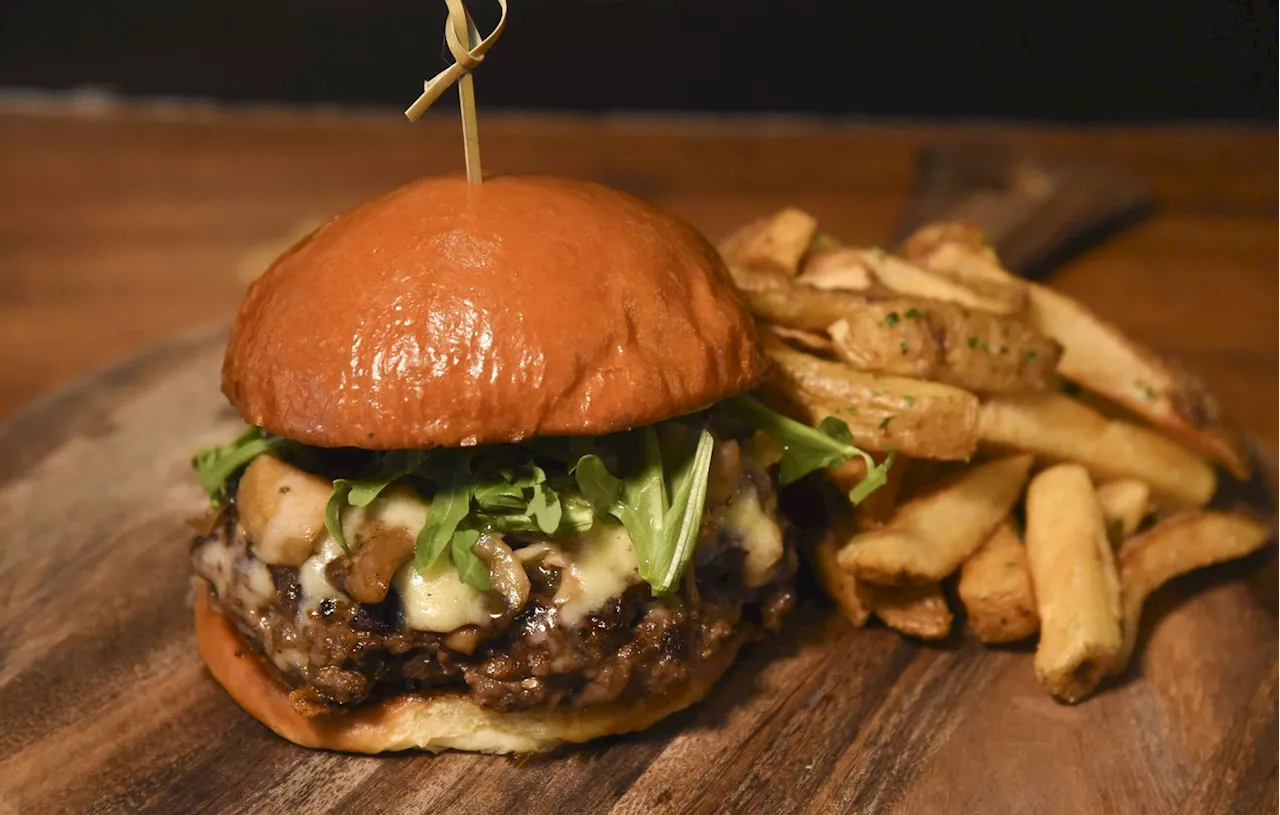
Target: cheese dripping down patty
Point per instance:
(601, 562)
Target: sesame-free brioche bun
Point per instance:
(449, 314)
(433, 722)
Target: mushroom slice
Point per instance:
(282, 509)
(365, 575)
(505, 571)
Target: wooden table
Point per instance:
(122, 228)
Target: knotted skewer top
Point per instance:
(459, 27)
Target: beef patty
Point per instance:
(342, 653)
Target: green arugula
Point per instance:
(653, 481)
(475, 491)
(471, 569)
(683, 517)
(360, 492)
(544, 506)
(662, 516)
(216, 466)
(806, 448)
(576, 515)
(447, 508)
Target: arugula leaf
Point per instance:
(663, 528)
(599, 486)
(333, 512)
(544, 506)
(391, 467)
(360, 492)
(515, 502)
(877, 476)
(471, 569)
(576, 516)
(644, 505)
(450, 504)
(806, 448)
(684, 517)
(500, 497)
(216, 465)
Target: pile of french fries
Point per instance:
(1049, 473)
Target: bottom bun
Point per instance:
(441, 721)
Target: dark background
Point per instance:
(1084, 61)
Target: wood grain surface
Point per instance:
(105, 705)
(121, 228)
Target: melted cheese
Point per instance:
(438, 600)
(216, 561)
(311, 577)
(603, 563)
(257, 589)
(757, 534)
(398, 507)
(220, 561)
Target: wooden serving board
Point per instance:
(105, 705)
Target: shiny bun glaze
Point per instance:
(448, 314)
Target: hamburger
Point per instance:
(501, 485)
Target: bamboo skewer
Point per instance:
(459, 29)
(465, 30)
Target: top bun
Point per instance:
(447, 314)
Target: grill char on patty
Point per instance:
(343, 653)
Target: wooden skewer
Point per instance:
(462, 29)
(458, 30)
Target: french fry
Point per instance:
(960, 252)
(775, 244)
(839, 270)
(772, 297)
(971, 349)
(905, 336)
(913, 417)
(755, 280)
(1125, 502)
(839, 585)
(917, 611)
(1058, 427)
(897, 346)
(812, 341)
(992, 353)
(1074, 576)
(995, 588)
(925, 474)
(822, 243)
(907, 278)
(966, 235)
(1174, 547)
(1100, 358)
(875, 338)
(931, 535)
